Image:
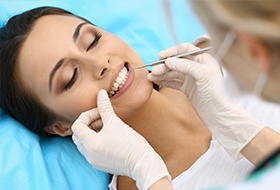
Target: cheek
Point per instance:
(120, 48)
(84, 103)
(70, 106)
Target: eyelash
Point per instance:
(95, 41)
(72, 80)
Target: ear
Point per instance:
(259, 51)
(59, 128)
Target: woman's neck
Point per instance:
(172, 127)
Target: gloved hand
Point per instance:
(117, 148)
(201, 80)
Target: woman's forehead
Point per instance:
(46, 41)
(47, 31)
(56, 22)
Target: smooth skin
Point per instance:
(92, 69)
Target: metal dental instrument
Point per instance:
(198, 51)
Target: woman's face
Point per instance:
(65, 61)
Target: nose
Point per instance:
(97, 64)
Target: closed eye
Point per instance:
(94, 42)
(72, 80)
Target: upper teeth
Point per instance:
(120, 80)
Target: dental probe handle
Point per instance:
(183, 55)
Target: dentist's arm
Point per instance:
(262, 146)
(118, 149)
(200, 79)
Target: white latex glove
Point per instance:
(117, 148)
(202, 82)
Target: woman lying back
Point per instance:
(53, 64)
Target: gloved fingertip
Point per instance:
(171, 60)
(79, 131)
(82, 139)
(161, 54)
(102, 94)
(102, 98)
(177, 64)
(103, 103)
(78, 126)
(150, 76)
(155, 70)
(159, 69)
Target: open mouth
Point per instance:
(120, 81)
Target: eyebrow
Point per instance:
(77, 31)
(60, 62)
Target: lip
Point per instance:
(127, 83)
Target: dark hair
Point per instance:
(14, 99)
